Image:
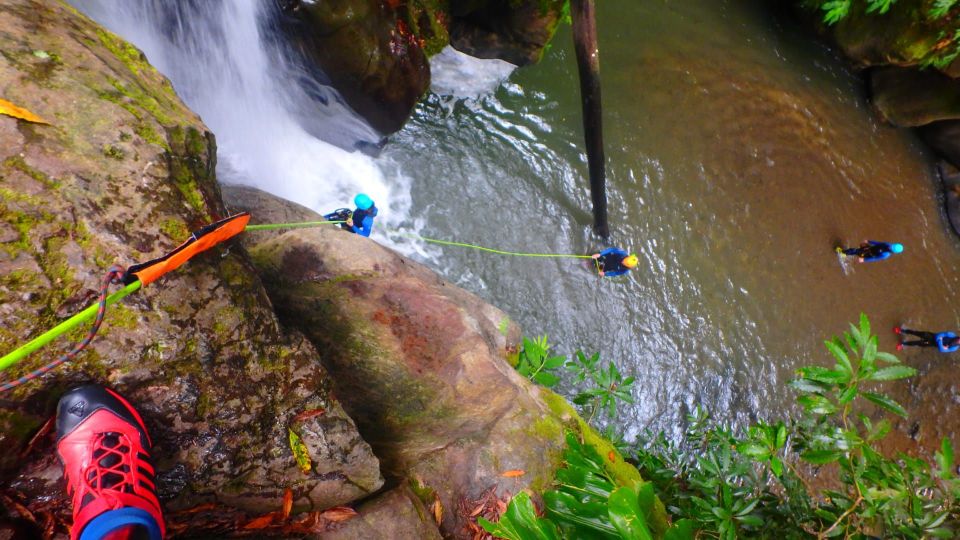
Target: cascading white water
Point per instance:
(223, 64)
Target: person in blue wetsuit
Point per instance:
(946, 342)
(871, 250)
(614, 262)
(361, 222)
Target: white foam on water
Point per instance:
(464, 77)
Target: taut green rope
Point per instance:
(302, 225)
(40, 341)
(497, 251)
(62, 328)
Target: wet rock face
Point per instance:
(375, 52)
(369, 55)
(515, 32)
(121, 175)
(420, 364)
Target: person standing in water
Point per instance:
(871, 250)
(613, 262)
(946, 342)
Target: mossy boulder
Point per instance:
(420, 364)
(395, 515)
(121, 174)
(375, 52)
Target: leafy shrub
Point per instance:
(718, 483)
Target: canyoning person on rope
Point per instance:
(361, 222)
(946, 342)
(105, 451)
(871, 250)
(613, 262)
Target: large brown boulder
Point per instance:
(909, 97)
(121, 174)
(420, 364)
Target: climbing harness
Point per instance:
(139, 275)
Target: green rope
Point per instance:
(35, 344)
(62, 328)
(491, 250)
(274, 226)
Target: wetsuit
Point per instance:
(871, 251)
(611, 262)
(946, 342)
(363, 220)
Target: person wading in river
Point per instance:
(871, 250)
(614, 262)
(946, 342)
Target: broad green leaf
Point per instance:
(848, 393)
(753, 450)
(781, 436)
(864, 325)
(886, 402)
(565, 507)
(625, 515)
(817, 404)
(520, 522)
(838, 352)
(821, 457)
(822, 374)
(893, 373)
(776, 465)
(546, 379)
(887, 357)
(809, 385)
(554, 362)
(944, 459)
(683, 529)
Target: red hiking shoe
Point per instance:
(105, 451)
(897, 329)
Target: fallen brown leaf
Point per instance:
(10, 109)
(513, 474)
(307, 414)
(477, 510)
(287, 503)
(339, 513)
(262, 522)
(198, 508)
(437, 509)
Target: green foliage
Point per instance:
(941, 8)
(719, 483)
(520, 522)
(536, 364)
(753, 484)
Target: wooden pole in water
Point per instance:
(588, 60)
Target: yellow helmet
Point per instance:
(630, 261)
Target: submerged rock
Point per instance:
(121, 175)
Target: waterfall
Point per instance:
(278, 127)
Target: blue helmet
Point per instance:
(364, 202)
(896, 248)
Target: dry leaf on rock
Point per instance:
(10, 109)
